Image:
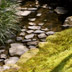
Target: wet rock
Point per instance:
(34, 27)
(41, 24)
(42, 35)
(5, 67)
(34, 39)
(39, 14)
(68, 22)
(11, 60)
(23, 13)
(45, 29)
(22, 34)
(30, 31)
(26, 40)
(60, 10)
(29, 36)
(19, 38)
(50, 33)
(31, 23)
(32, 19)
(1, 51)
(17, 49)
(32, 9)
(43, 40)
(38, 31)
(32, 43)
(44, 6)
(9, 41)
(3, 56)
(2, 47)
(23, 30)
(32, 47)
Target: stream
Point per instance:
(35, 27)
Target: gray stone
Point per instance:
(30, 31)
(23, 30)
(1, 51)
(32, 43)
(31, 23)
(41, 24)
(38, 31)
(17, 49)
(60, 10)
(11, 60)
(32, 19)
(32, 47)
(39, 14)
(43, 40)
(29, 36)
(5, 67)
(3, 56)
(23, 13)
(45, 29)
(9, 41)
(50, 33)
(41, 35)
(26, 40)
(19, 38)
(22, 34)
(31, 9)
(34, 39)
(34, 27)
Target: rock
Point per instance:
(23, 13)
(32, 47)
(33, 43)
(17, 49)
(1, 59)
(11, 60)
(34, 39)
(41, 24)
(60, 10)
(22, 34)
(3, 56)
(19, 38)
(32, 19)
(31, 23)
(45, 29)
(9, 41)
(38, 31)
(1, 51)
(26, 40)
(29, 36)
(39, 14)
(50, 33)
(41, 35)
(30, 31)
(2, 47)
(23, 30)
(6, 67)
(34, 27)
(68, 22)
(45, 6)
(32, 9)
(43, 40)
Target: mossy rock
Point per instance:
(55, 55)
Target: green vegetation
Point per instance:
(8, 19)
(55, 55)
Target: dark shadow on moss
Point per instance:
(61, 65)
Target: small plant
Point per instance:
(8, 19)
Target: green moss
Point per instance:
(55, 55)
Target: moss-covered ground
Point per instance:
(55, 55)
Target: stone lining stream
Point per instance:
(36, 24)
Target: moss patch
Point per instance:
(55, 55)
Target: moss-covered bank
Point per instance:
(55, 55)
